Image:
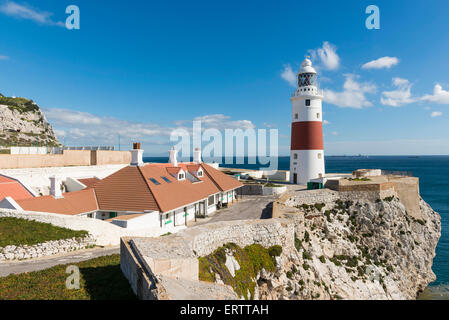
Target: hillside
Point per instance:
(22, 123)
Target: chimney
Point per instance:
(136, 155)
(197, 155)
(55, 187)
(173, 153)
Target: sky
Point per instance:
(141, 69)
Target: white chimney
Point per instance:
(55, 187)
(173, 154)
(197, 155)
(137, 155)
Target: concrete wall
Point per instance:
(102, 157)
(280, 175)
(67, 158)
(144, 261)
(73, 185)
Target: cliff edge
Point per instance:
(22, 123)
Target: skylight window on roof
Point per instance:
(166, 179)
(154, 181)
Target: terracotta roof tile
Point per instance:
(72, 203)
(223, 181)
(125, 190)
(13, 188)
(89, 182)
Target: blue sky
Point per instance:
(142, 68)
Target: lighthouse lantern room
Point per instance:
(306, 152)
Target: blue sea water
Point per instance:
(433, 173)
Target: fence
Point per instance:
(51, 150)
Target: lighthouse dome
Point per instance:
(306, 67)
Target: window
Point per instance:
(295, 156)
(200, 173)
(318, 115)
(211, 200)
(154, 181)
(296, 116)
(181, 176)
(319, 156)
(166, 179)
(166, 216)
(90, 215)
(308, 103)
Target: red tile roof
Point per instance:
(131, 188)
(89, 182)
(72, 203)
(13, 188)
(125, 190)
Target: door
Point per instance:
(295, 178)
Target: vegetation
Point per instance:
(100, 279)
(252, 259)
(20, 104)
(15, 231)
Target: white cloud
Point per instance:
(221, 122)
(4, 57)
(328, 56)
(85, 129)
(436, 114)
(334, 133)
(289, 76)
(401, 96)
(439, 96)
(353, 94)
(326, 122)
(384, 62)
(22, 11)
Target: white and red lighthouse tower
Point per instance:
(306, 151)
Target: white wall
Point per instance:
(307, 113)
(28, 150)
(308, 165)
(38, 179)
(73, 185)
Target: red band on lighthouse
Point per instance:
(307, 135)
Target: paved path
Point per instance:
(250, 207)
(7, 268)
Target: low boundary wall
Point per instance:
(144, 261)
(67, 158)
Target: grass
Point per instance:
(251, 259)
(100, 279)
(17, 232)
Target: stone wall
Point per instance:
(105, 233)
(44, 249)
(145, 260)
(330, 196)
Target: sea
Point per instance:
(433, 173)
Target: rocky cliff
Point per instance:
(344, 250)
(22, 123)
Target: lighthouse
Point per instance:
(306, 151)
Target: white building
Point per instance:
(306, 155)
(153, 195)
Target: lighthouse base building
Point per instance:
(307, 154)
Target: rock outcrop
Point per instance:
(355, 250)
(22, 123)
